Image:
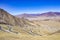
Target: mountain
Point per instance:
(15, 28)
(51, 14)
(6, 18)
(27, 15)
(10, 23)
(42, 16)
(47, 14)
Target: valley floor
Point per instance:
(23, 35)
(9, 36)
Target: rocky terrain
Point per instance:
(44, 26)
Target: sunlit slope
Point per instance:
(13, 28)
(47, 27)
(8, 19)
(9, 36)
(35, 28)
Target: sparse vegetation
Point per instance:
(13, 28)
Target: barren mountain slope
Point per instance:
(14, 28)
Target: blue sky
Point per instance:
(16, 7)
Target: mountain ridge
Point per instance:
(9, 19)
(24, 26)
(46, 14)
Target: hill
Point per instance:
(42, 16)
(47, 14)
(15, 28)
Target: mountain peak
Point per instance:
(5, 18)
(1, 9)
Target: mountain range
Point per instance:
(42, 16)
(47, 14)
(44, 24)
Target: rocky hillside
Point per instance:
(42, 24)
(8, 22)
(12, 24)
(8, 19)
